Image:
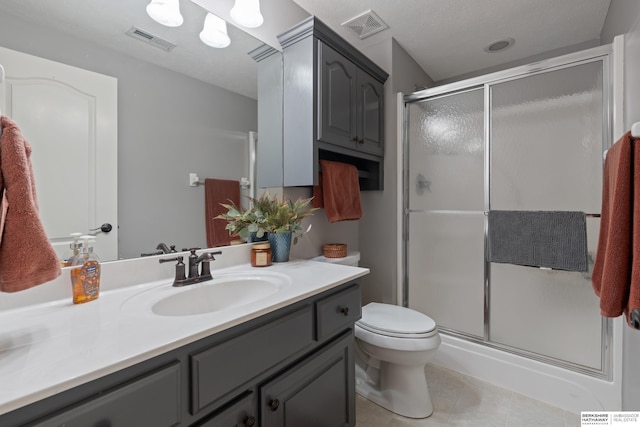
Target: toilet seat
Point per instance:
(396, 321)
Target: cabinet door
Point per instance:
(370, 110)
(153, 400)
(319, 392)
(337, 98)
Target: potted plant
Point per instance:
(278, 219)
(245, 223)
(282, 220)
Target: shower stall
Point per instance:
(527, 139)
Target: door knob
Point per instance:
(105, 228)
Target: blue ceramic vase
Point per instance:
(280, 246)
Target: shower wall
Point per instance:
(527, 141)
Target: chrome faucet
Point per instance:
(194, 276)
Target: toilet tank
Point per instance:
(352, 259)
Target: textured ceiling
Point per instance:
(447, 37)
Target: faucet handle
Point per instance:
(205, 259)
(180, 275)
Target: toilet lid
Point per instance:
(395, 320)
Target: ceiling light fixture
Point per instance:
(165, 12)
(246, 13)
(214, 32)
(500, 45)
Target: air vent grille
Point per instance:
(366, 24)
(153, 40)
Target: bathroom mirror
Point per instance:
(180, 111)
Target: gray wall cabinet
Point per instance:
(333, 106)
(351, 104)
(292, 367)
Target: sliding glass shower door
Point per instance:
(527, 142)
(446, 204)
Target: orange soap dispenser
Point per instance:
(85, 273)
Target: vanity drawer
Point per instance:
(223, 368)
(337, 312)
(242, 413)
(151, 400)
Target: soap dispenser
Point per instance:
(74, 250)
(85, 273)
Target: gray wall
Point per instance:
(169, 125)
(378, 227)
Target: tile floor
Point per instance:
(460, 400)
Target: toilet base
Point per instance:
(400, 389)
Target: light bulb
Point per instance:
(214, 32)
(165, 12)
(247, 13)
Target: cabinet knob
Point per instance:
(361, 141)
(354, 138)
(249, 422)
(274, 404)
(345, 311)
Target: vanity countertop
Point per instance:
(50, 347)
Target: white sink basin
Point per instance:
(224, 291)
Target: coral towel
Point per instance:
(27, 258)
(340, 191)
(616, 273)
(218, 191)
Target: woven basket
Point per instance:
(334, 250)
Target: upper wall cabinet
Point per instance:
(333, 106)
(351, 104)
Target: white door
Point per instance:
(69, 116)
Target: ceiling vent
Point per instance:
(146, 37)
(366, 24)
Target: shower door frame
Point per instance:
(601, 53)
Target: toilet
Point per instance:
(393, 345)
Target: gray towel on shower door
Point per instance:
(548, 239)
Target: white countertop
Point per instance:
(50, 347)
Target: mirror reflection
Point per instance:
(186, 110)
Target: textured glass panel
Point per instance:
(546, 141)
(446, 153)
(446, 269)
(554, 313)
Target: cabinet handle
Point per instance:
(274, 404)
(249, 422)
(345, 311)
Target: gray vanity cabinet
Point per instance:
(292, 367)
(350, 104)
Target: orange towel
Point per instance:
(318, 199)
(634, 287)
(340, 191)
(218, 191)
(27, 258)
(616, 273)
